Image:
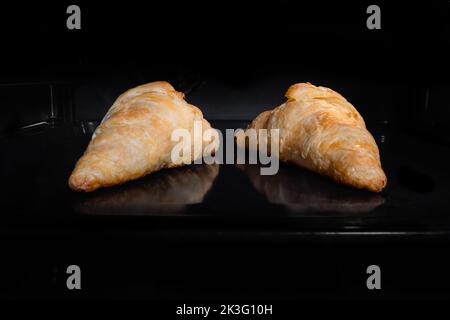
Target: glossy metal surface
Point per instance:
(199, 198)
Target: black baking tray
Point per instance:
(226, 199)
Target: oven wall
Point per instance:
(232, 59)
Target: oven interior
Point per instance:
(232, 61)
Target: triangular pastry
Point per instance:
(134, 137)
(321, 131)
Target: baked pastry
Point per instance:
(321, 131)
(134, 137)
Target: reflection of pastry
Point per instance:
(300, 190)
(167, 190)
(323, 132)
(134, 138)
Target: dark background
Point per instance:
(233, 59)
(217, 36)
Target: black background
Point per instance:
(225, 36)
(237, 50)
(245, 54)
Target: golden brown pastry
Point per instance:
(134, 137)
(323, 132)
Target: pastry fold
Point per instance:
(321, 131)
(134, 137)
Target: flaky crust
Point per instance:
(321, 131)
(134, 137)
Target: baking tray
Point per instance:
(36, 163)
